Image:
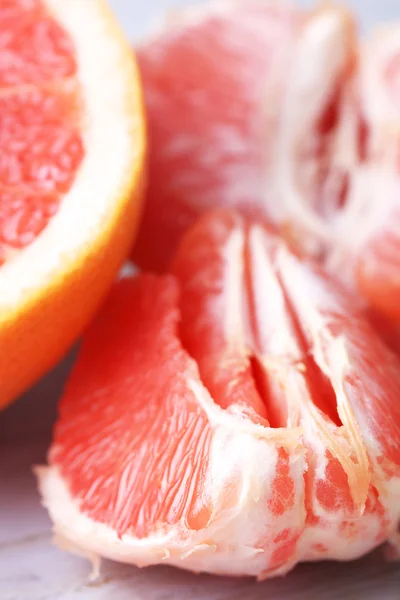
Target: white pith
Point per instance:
(112, 134)
(320, 58)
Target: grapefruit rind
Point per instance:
(49, 291)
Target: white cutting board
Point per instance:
(32, 569)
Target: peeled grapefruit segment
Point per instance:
(286, 321)
(243, 102)
(161, 486)
(367, 244)
(377, 260)
(282, 447)
(68, 208)
(285, 116)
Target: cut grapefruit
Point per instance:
(243, 104)
(236, 417)
(71, 157)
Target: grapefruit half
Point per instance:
(71, 159)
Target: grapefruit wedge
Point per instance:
(236, 417)
(244, 108)
(71, 156)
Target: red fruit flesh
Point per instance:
(238, 119)
(245, 424)
(367, 239)
(279, 114)
(131, 438)
(350, 352)
(252, 312)
(378, 266)
(215, 316)
(34, 49)
(42, 145)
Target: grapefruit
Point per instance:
(284, 115)
(235, 417)
(368, 240)
(71, 157)
(244, 104)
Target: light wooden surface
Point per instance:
(32, 569)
